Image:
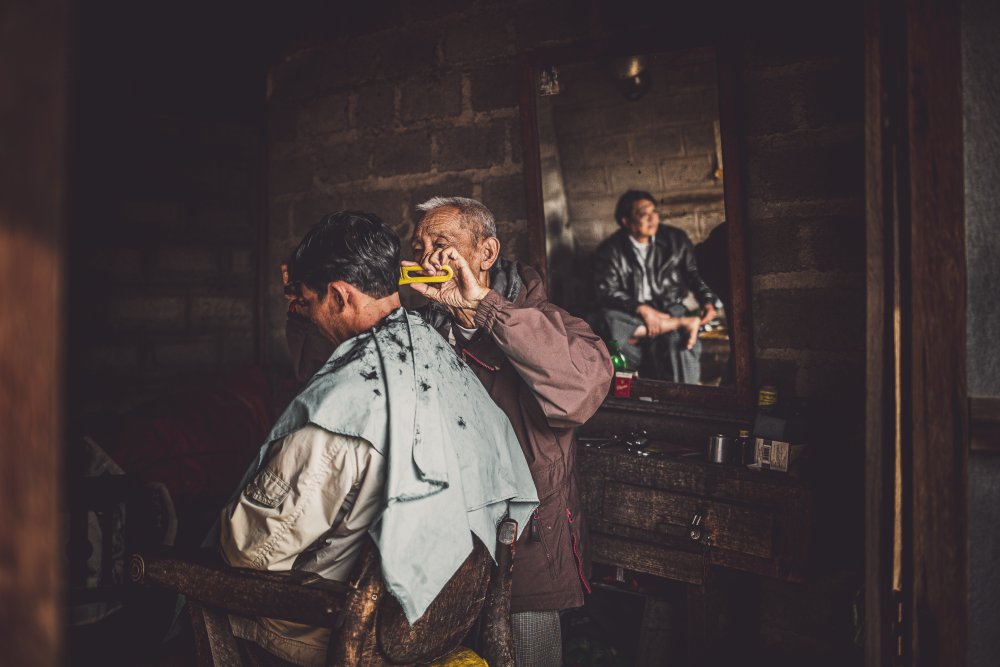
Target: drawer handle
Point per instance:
(695, 531)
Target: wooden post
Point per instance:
(935, 349)
(34, 45)
(917, 430)
(883, 70)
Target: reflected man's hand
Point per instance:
(708, 313)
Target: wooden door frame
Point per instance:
(917, 423)
(34, 89)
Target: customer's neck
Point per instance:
(372, 312)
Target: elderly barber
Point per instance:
(547, 370)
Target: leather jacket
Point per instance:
(671, 264)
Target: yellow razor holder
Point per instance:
(406, 276)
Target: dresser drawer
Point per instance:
(724, 525)
(649, 558)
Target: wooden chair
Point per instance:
(368, 626)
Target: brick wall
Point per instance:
(164, 210)
(381, 122)
(165, 271)
(805, 211)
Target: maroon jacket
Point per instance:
(549, 372)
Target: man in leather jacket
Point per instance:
(642, 274)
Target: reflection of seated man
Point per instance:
(394, 435)
(642, 274)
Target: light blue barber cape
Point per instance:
(453, 462)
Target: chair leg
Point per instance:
(497, 638)
(215, 645)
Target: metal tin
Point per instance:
(720, 448)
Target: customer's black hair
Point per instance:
(352, 246)
(623, 209)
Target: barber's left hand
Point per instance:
(463, 291)
(708, 314)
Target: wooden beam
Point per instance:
(34, 45)
(934, 268)
(880, 423)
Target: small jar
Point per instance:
(746, 447)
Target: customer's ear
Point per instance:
(489, 252)
(340, 292)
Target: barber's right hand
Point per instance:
(464, 291)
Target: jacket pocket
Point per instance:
(267, 489)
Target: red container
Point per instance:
(623, 384)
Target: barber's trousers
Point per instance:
(537, 638)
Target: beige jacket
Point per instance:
(308, 509)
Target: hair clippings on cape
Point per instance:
(406, 275)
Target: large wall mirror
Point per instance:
(635, 211)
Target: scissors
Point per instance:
(406, 277)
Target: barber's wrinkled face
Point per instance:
(440, 229)
(644, 220)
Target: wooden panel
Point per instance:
(652, 559)
(933, 349)
(725, 526)
(34, 45)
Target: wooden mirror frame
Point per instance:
(739, 395)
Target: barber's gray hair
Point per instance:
(473, 213)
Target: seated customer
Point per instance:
(393, 436)
(642, 274)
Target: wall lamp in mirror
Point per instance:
(631, 76)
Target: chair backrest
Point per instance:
(447, 620)
(368, 626)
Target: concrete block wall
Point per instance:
(166, 196)
(423, 106)
(164, 269)
(804, 146)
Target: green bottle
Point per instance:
(618, 359)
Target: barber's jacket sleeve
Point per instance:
(564, 363)
(294, 500)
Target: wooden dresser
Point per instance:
(676, 517)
